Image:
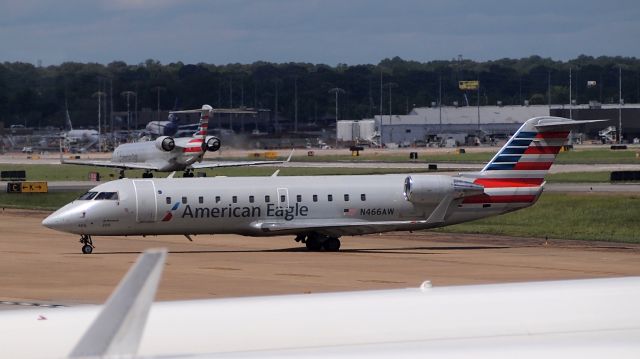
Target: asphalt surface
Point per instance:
(40, 265)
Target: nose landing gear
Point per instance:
(316, 241)
(187, 173)
(88, 246)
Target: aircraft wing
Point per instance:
(199, 165)
(345, 226)
(123, 165)
(118, 329)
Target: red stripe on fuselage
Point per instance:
(542, 150)
(192, 149)
(552, 135)
(514, 198)
(535, 166)
(508, 182)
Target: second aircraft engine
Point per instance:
(212, 143)
(165, 143)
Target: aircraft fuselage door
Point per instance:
(283, 197)
(146, 200)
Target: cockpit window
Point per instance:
(107, 195)
(87, 196)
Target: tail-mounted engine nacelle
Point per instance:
(211, 144)
(429, 189)
(165, 143)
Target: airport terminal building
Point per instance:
(427, 124)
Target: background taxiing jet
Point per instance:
(168, 154)
(589, 318)
(82, 139)
(318, 210)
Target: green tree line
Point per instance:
(37, 95)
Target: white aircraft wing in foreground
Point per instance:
(591, 318)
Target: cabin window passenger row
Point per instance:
(330, 197)
(315, 198)
(168, 200)
(299, 198)
(184, 200)
(200, 199)
(346, 198)
(251, 199)
(217, 199)
(363, 197)
(234, 199)
(267, 198)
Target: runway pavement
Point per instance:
(40, 265)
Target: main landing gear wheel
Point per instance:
(316, 242)
(331, 244)
(87, 247)
(187, 173)
(313, 243)
(147, 175)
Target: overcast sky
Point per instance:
(315, 31)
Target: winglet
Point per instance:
(118, 329)
(290, 155)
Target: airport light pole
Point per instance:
(391, 85)
(620, 104)
(158, 89)
(128, 94)
(336, 90)
(99, 95)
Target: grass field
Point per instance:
(81, 173)
(567, 216)
(46, 201)
(580, 156)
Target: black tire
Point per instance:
(332, 244)
(313, 244)
(87, 249)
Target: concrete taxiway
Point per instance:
(44, 266)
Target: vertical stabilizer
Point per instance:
(118, 329)
(515, 175)
(68, 120)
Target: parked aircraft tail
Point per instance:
(68, 120)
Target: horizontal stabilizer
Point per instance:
(118, 328)
(551, 124)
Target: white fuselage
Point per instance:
(147, 152)
(334, 205)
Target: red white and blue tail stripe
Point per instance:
(195, 145)
(516, 173)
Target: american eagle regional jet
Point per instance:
(168, 154)
(319, 210)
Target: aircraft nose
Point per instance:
(53, 221)
(64, 219)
